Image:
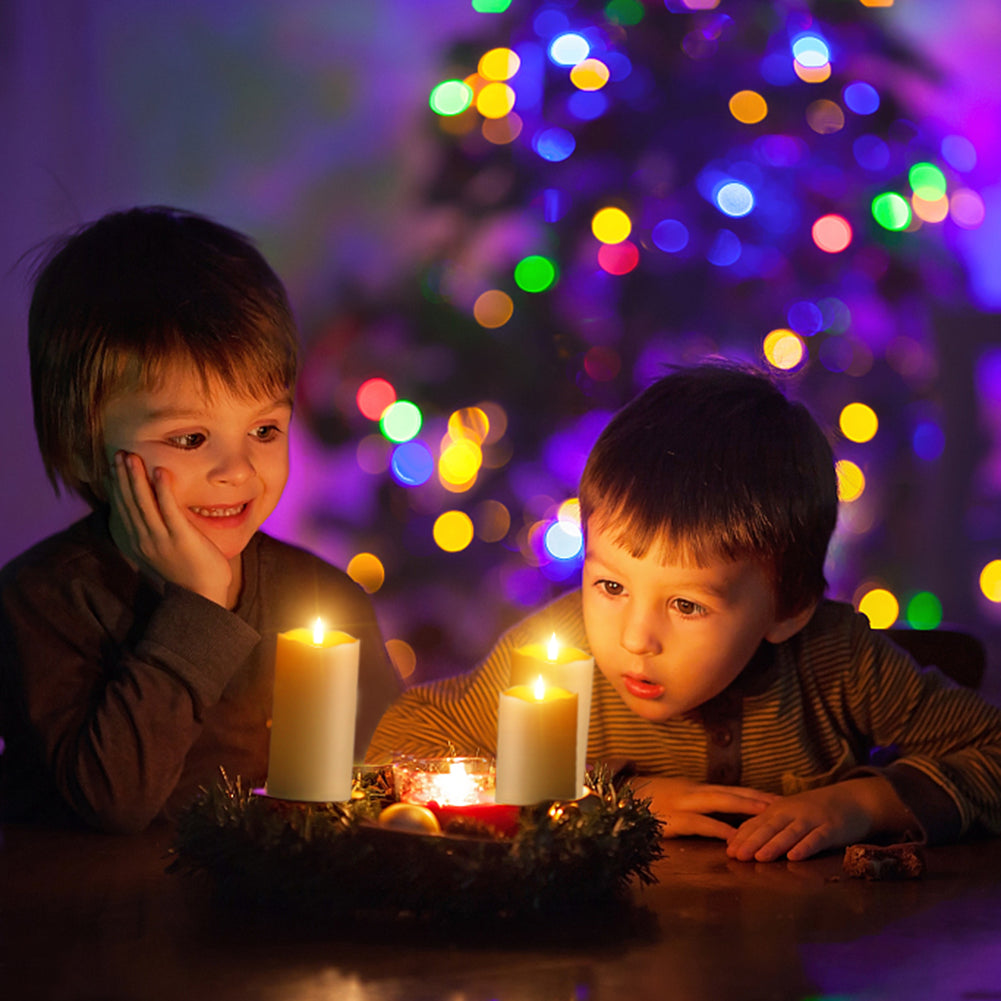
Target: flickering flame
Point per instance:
(540, 688)
(318, 632)
(553, 648)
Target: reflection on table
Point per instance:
(90, 916)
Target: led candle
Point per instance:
(566, 667)
(313, 716)
(536, 744)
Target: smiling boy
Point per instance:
(748, 705)
(137, 646)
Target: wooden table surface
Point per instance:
(92, 917)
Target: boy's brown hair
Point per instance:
(713, 461)
(119, 300)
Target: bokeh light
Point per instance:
(492, 521)
(402, 654)
(495, 100)
(569, 49)
(493, 308)
(990, 581)
(783, 349)
(535, 273)
(451, 97)
(860, 97)
(453, 531)
(373, 396)
(499, 64)
(966, 208)
(832, 233)
(959, 153)
(734, 199)
(366, 570)
(880, 607)
(411, 463)
(825, 117)
(891, 211)
(927, 181)
(924, 611)
(459, 464)
(858, 422)
(611, 225)
(748, 107)
(554, 144)
(591, 74)
(564, 540)
(851, 480)
(469, 424)
(618, 258)
(670, 235)
(401, 421)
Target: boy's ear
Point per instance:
(782, 629)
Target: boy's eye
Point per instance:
(611, 587)
(687, 607)
(266, 432)
(187, 441)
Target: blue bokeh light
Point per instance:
(412, 463)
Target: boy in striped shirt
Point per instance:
(748, 704)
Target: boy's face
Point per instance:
(669, 636)
(227, 455)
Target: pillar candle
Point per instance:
(566, 667)
(536, 744)
(313, 716)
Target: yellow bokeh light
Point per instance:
(876, 3)
(459, 463)
(590, 74)
(812, 74)
(493, 308)
(453, 531)
(880, 607)
(403, 656)
(858, 422)
(748, 106)
(611, 225)
(366, 570)
(851, 480)
(783, 349)
(569, 511)
(495, 100)
(990, 581)
(499, 64)
(470, 423)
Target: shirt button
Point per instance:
(722, 737)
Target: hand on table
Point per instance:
(149, 524)
(684, 806)
(829, 817)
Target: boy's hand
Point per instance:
(684, 806)
(830, 817)
(157, 535)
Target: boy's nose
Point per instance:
(640, 635)
(232, 466)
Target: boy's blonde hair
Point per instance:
(118, 301)
(713, 461)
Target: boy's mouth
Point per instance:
(219, 513)
(642, 688)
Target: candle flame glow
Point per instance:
(318, 632)
(540, 688)
(553, 648)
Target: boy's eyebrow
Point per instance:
(177, 413)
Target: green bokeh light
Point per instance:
(534, 273)
(491, 6)
(451, 97)
(891, 211)
(401, 421)
(927, 181)
(627, 12)
(924, 611)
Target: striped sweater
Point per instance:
(835, 701)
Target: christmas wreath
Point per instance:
(334, 859)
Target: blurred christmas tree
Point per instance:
(616, 186)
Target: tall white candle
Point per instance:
(313, 716)
(566, 667)
(536, 744)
